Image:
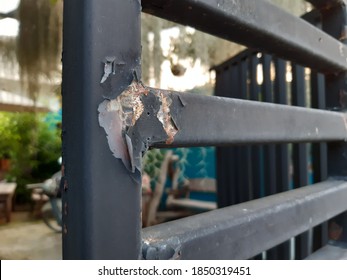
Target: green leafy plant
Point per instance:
(7, 137)
(32, 147)
(151, 163)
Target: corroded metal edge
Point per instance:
(119, 118)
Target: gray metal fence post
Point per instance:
(101, 198)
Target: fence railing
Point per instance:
(110, 119)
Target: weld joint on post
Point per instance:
(118, 115)
(159, 252)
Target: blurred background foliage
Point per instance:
(33, 146)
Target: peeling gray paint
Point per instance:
(120, 116)
(108, 68)
(116, 115)
(110, 120)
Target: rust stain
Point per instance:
(129, 105)
(165, 118)
(116, 116)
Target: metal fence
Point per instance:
(251, 172)
(103, 94)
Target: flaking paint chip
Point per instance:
(108, 68)
(118, 115)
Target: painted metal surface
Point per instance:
(244, 230)
(159, 118)
(102, 200)
(255, 23)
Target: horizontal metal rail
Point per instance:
(313, 17)
(246, 229)
(255, 23)
(209, 120)
(147, 117)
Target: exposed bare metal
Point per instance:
(118, 115)
(165, 117)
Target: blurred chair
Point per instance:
(38, 199)
(182, 198)
(6, 194)
(150, 216)
(179, 202)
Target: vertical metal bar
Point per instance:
(334, 22)
(281, 98)
(319, 154)
(236, 93)
(244, 152)
(256, 150)
(254, 87)
(300, 154)
(223, 191)
(269, 150)
(282, 152)
(226, 163)
(101, 200)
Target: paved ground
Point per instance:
(27, 239)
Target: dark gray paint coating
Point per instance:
(255, 23)
(103, 218)
(246, 229)
(209, 120)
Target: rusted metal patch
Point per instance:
(116, 115)
(119, 118)
(131, 107)
(343, 35)
(165, 118)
